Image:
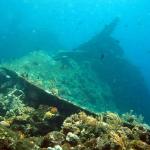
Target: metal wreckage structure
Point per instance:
(107, 60)
(105, 56)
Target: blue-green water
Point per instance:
(52, 25)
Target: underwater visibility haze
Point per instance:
(74, 74)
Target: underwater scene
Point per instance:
(74, 75)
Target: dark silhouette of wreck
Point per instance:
(107, 59)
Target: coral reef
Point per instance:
(107, 131)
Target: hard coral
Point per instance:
(107, 131)
(48, 115)
(53, 138)
(53, 110)
(72, 138)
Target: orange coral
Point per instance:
(53, 110)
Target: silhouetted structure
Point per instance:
(107, 60)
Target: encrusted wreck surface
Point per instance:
(66, 79)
